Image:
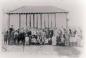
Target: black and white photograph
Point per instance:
(41, 28)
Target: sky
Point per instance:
(74, 7)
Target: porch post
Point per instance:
(33, 20)
(26, 20)
(41, 20)
(51, 22)
(48, 20)
(55, 19)
(30, 21)
(8, 20)
(44, 23)
(19, 21)
(37, 20)
(67, 43)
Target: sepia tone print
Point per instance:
(42, 30)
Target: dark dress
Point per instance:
(29, 33)
(21, 37)
(5, 37)
(58, 40)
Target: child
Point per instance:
(26, 39)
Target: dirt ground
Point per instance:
(61, 51)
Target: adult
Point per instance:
(16, 37)
(26, 39)
(6, 37)
(54, 42)
(21, 37)
(11, 28)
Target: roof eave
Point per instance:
(37, 13)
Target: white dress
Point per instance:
(26, 40)
(62, 40)
(54, 40)
(33, 40)
(73, 39)
(46, 40)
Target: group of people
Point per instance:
(34, 36)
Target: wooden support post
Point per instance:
(44, 23)
(37, 20)
(30, 21)
(41, 20)
(51, 22)
(67, 43)
(8, 20)
(19, 21)
(55, 19)
(33, 20)
(26, 20)
(48, 20)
